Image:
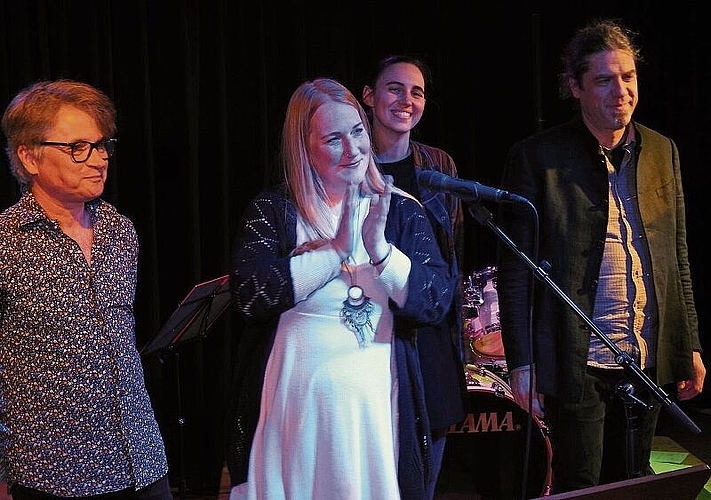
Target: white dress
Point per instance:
(327, 426)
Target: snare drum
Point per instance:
(485, 453)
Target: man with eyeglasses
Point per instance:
(75, 417)
(80, 151)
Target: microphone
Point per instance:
(466, 190)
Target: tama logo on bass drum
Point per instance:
(486, 422)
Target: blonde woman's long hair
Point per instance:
(303, 182)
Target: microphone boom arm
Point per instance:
(484, 217)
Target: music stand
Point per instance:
(194, 316)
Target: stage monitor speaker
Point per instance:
(683, 484)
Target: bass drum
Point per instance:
(484, 454)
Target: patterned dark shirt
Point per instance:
(75, 416)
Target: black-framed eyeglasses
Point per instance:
(80, 151)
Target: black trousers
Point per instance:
(159, 490)
(589, 438)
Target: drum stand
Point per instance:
(484, 217)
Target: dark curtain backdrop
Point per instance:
(201, 87)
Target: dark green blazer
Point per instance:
(563, 174)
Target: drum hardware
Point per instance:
(477, 374)
(481, 330)
(472, 293)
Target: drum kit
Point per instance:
(481, 329)
(485, 453)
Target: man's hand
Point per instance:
(521, 387)
(687, 389)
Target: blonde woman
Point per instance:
(332, 273)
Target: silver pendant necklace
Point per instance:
(357, 307)
(356, 312)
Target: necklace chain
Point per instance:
(353, 276)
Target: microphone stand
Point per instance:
(625, 390)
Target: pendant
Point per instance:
(355, 295)
(356, 313)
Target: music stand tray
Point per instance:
(683, 484)
(194, 316)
